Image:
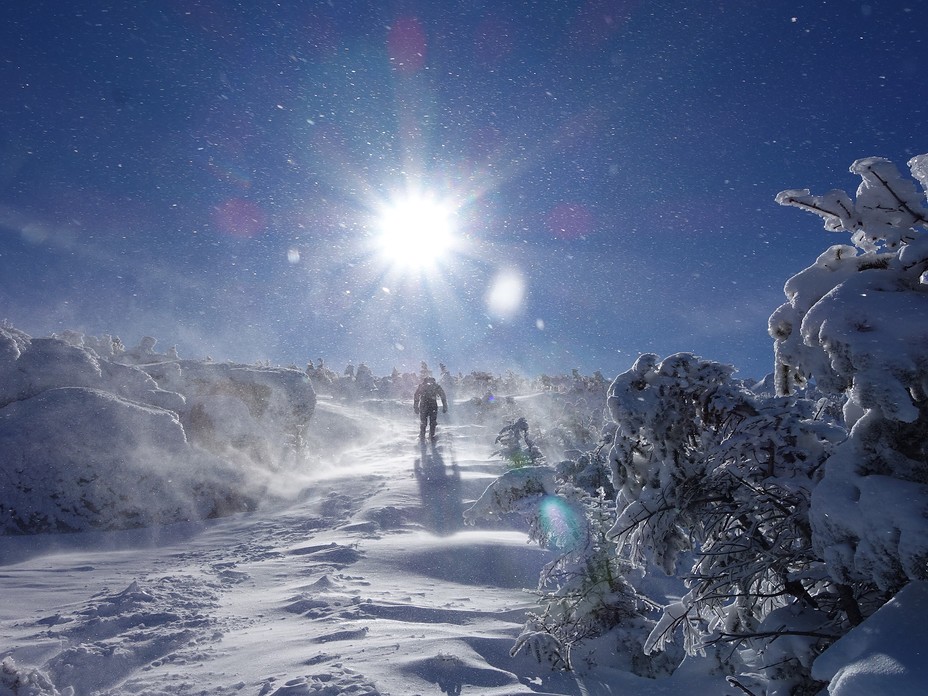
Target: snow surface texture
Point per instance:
(97, 437)
(886, 654)
(368, 582)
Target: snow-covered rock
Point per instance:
(28, 681)
(260, 411)
(29, 366)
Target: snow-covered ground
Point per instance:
(365, 582)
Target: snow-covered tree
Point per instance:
(856, 322)
(590, 470)
(588, 613)
(364, 380)
(516, 447)
(709, 473)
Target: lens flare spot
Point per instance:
(239, 218)
(561, 524)
(506, 294)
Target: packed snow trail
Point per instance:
(367, 583)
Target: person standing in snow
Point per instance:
(425, 404)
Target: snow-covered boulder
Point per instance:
(262, 412)
(29, 366)
(26, 681)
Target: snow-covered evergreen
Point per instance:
(855, 324)
(794, 520)
(713, 486)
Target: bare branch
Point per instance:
(738, 685)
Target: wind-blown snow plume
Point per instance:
(90, 441)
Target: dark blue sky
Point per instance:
(204, 172)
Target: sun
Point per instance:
(415, 232)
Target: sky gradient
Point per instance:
(210, 173)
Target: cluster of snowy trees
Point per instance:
(360, 382)
(791, 517)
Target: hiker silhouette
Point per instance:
(425, 405)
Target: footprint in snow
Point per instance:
(336, 682)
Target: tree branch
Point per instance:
(905, 206)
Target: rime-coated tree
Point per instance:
(516, 447)
(588, 613)
(856, 322)
(712, 475)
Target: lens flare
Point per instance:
(239, 218)
(506, 294)
(561, 524)
(406, 44)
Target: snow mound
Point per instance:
(116, 464)
(15, 681)
(90, 442)
(885, 653)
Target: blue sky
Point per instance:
(210, 173)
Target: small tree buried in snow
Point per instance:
(589, 614)
(856, 322)
(516, 447)
(707, 469)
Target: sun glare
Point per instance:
(415, 233)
